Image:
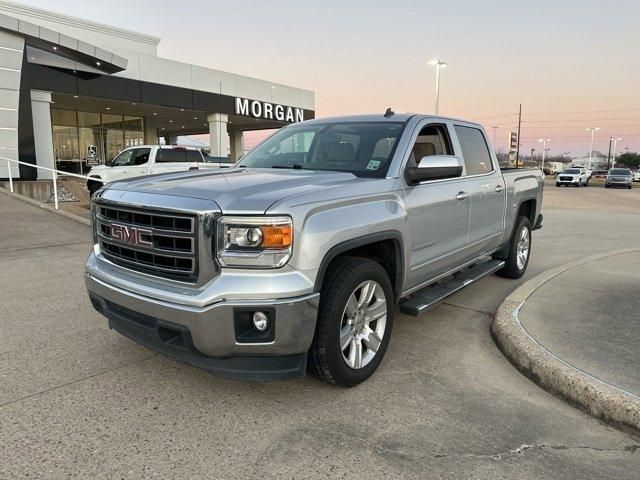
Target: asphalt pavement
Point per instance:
(80, 401)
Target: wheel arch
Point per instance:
(374, 246)
(528, 208)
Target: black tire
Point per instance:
(578, 184)
(93, 187)
(325, 360)
(606, 186)
(511, 269)
(558, 185)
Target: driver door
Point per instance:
(438, 212)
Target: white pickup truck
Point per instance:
(149, 160)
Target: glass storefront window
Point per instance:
(75, 131)
(114, 136)
(133, 131)
(90, 133)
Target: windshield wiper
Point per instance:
(295, 166)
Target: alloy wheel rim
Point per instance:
(363, 324)
(522, 249)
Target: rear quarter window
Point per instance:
(475, 150)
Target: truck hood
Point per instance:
(239, 190)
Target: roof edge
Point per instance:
(49, 15)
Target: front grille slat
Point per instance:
(159, 244)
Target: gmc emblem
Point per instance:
(140, 237)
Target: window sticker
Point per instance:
(373, 164)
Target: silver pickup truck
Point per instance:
(297, 258)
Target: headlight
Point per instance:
(254, 242)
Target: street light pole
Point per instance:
(592, 130)
(438, 64)
(613, 161)
(544, 149)
(495, 129)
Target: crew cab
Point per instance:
(576, 176)
(296, 258)
(149, 160)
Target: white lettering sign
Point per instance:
(268, 111)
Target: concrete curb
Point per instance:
(596, 397)
(35, 203)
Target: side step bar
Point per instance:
(422, 300)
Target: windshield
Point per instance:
(572, 170)
(364, 149)
(620, 171)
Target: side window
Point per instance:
(432, 140)
(475, 151)
(123, 159)
(166, 155)
(194, 156)
(141, 156)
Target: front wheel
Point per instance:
(519, 250)
(354, 323)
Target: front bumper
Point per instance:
(610, 183)
(208, 337)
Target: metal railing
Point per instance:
(54, 176)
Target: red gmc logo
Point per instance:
(140, 237)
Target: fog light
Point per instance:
(260, 321)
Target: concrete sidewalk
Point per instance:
(589, 316)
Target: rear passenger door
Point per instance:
(172, 159)
(486, 189)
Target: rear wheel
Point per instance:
(354, 322)
(519, 249)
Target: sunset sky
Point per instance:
(572, 64)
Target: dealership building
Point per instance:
(70, 86)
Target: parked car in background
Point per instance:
(600, 173)
(149, 160)
(576, 176)
(298, 257)
(636, 176)
(619, 177)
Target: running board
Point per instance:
(422, 300)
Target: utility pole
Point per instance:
(609, 154)
(519, 124)
(532, 152)
(494, 136)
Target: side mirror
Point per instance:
(435, 167)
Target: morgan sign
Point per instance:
(269, 111)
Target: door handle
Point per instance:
(499, 189)
(462, 196)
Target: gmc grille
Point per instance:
(156, 243)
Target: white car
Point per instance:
(636, 176)
(576, 176)
(150, 160)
